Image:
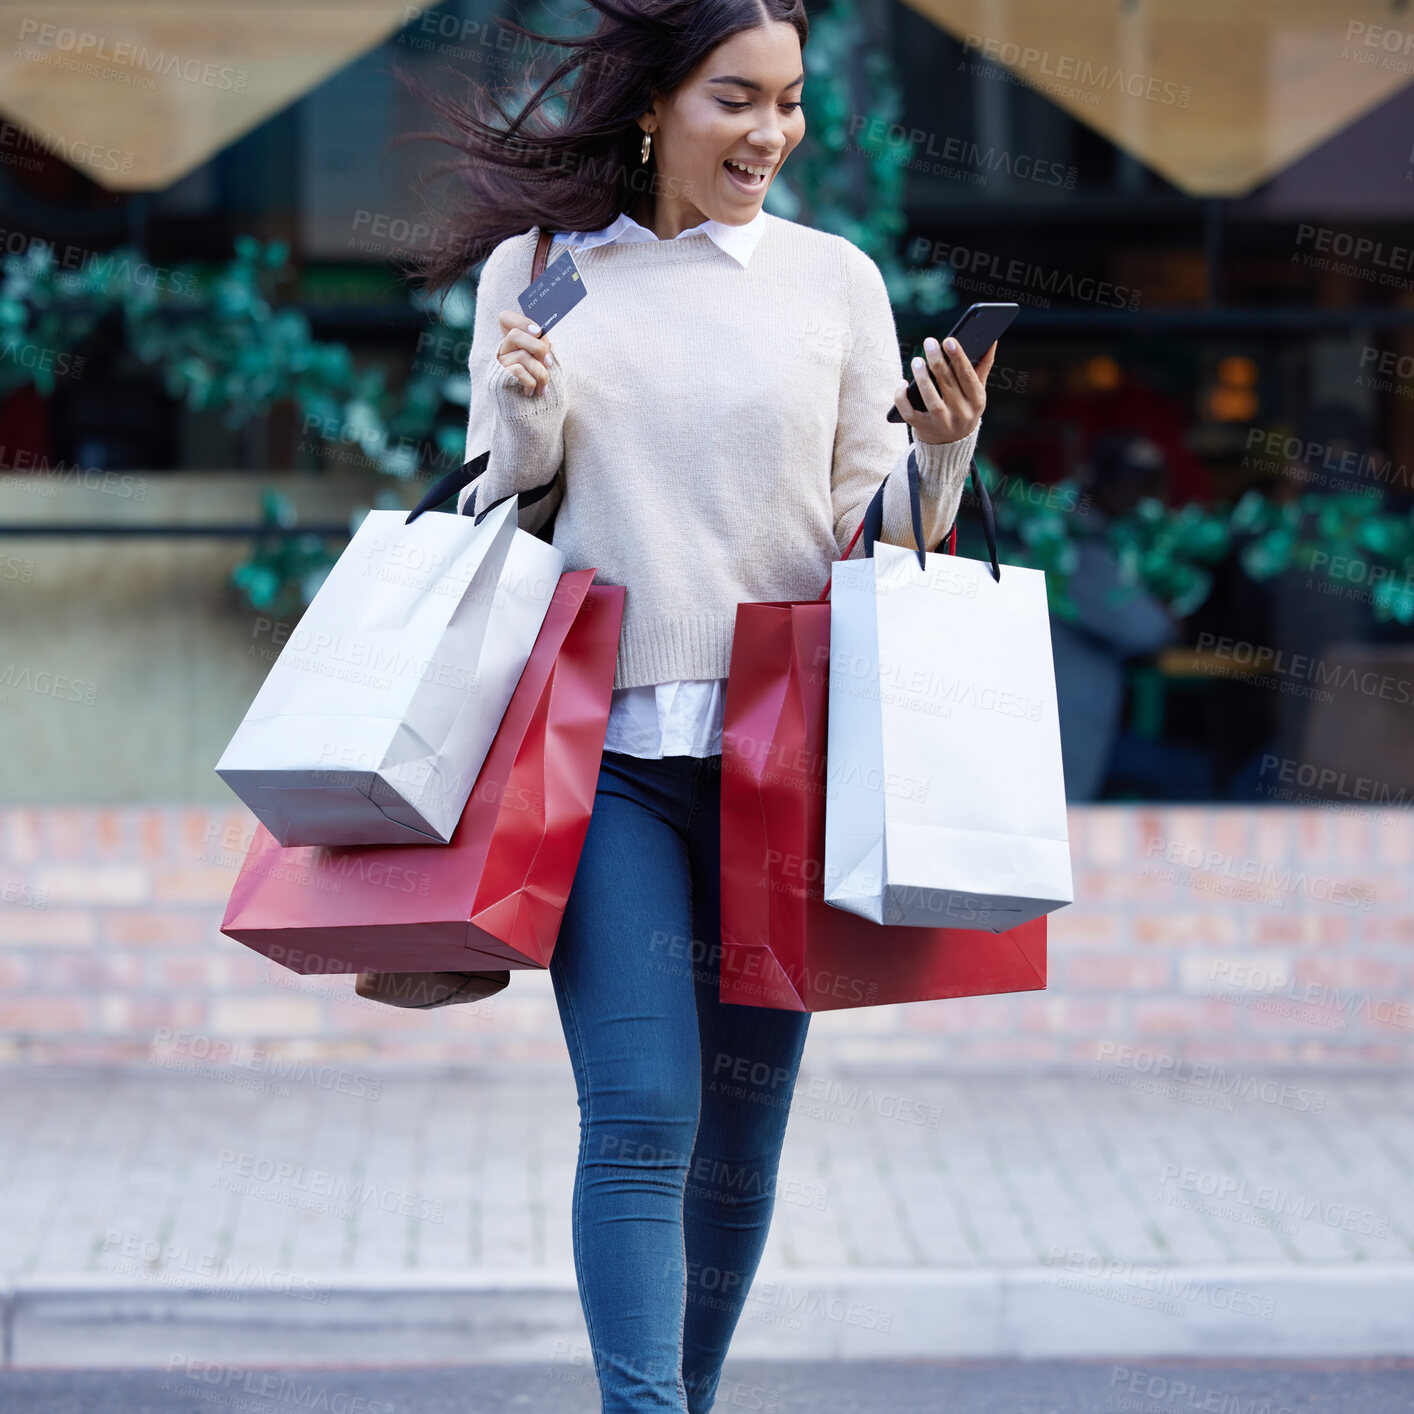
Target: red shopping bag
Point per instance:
(783, 946)
(493, 896)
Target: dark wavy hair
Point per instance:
(576, 174)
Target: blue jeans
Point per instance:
(683, 1099)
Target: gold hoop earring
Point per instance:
(646, 148)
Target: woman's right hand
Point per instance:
(525, 352)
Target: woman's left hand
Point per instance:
(953, 407)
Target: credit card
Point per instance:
(554, 294)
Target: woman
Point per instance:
(710, 422)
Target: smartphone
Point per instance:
(975, 333)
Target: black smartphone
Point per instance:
(975, 333)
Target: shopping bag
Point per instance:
(494, 895)
(377, 716)
(782, 946)
(946, 795)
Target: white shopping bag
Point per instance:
(374, 722)
(945, 798)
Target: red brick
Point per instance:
(1272, 835)
(1232, 833)
(957, 1015)
(196, 884)
(1227, 1050)
(67, 834)
(1309, 928)
(203, 833)
(1124, 957)
(1368, 891)
(1148, 833)
(1364, 974)
(1120, 972)
(148, 926)
(151, 827)
(1394, 838)
(41, 1014)
(1387, 930)
(111, 838)
(1392, 1016)
(1186, 826)
(1035, 1050)
(1315, 836)
(1064, 1015)
(23, 834)
(87, 1050)
(188, 969)
(267, 1014)
(1182, 1016)
(47, 927)
(1098, 887)
(91, 883)
(1077, 829)
(1353, 837)
(1184, 928)
(141, 1016)
(248, 968)
(1111, 837)
(96, 970)
(1233, 971)
(1079, 927)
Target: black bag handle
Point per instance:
(445, 487)
(873, 523)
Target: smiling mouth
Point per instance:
(749, 174)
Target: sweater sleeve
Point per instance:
(524, 435)
(867, 445)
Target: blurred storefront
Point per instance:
(1203, 210)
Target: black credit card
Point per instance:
(554, 294)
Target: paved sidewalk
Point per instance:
(325, 1213)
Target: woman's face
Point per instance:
(740, 108)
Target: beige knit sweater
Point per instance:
(714, 433)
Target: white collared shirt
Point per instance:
(682, 718)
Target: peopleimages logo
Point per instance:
(1299, 669)
(1146, 1393)
(1326, 781)
(1283, 448)
(917, 146)
(97, 51)
(76, 151)
(1087, 78)
(977, 268)
(1360, 256)
(1205, 1075)
(1217, 869)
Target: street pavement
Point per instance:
(176, 1216)
(1024, 1387)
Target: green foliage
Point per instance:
(1037, 529)
(837, 182)
(220, 339)
(1168, 551)
(45, 314)
(286, 572)
(1349, 537)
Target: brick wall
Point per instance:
(1260, 935)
